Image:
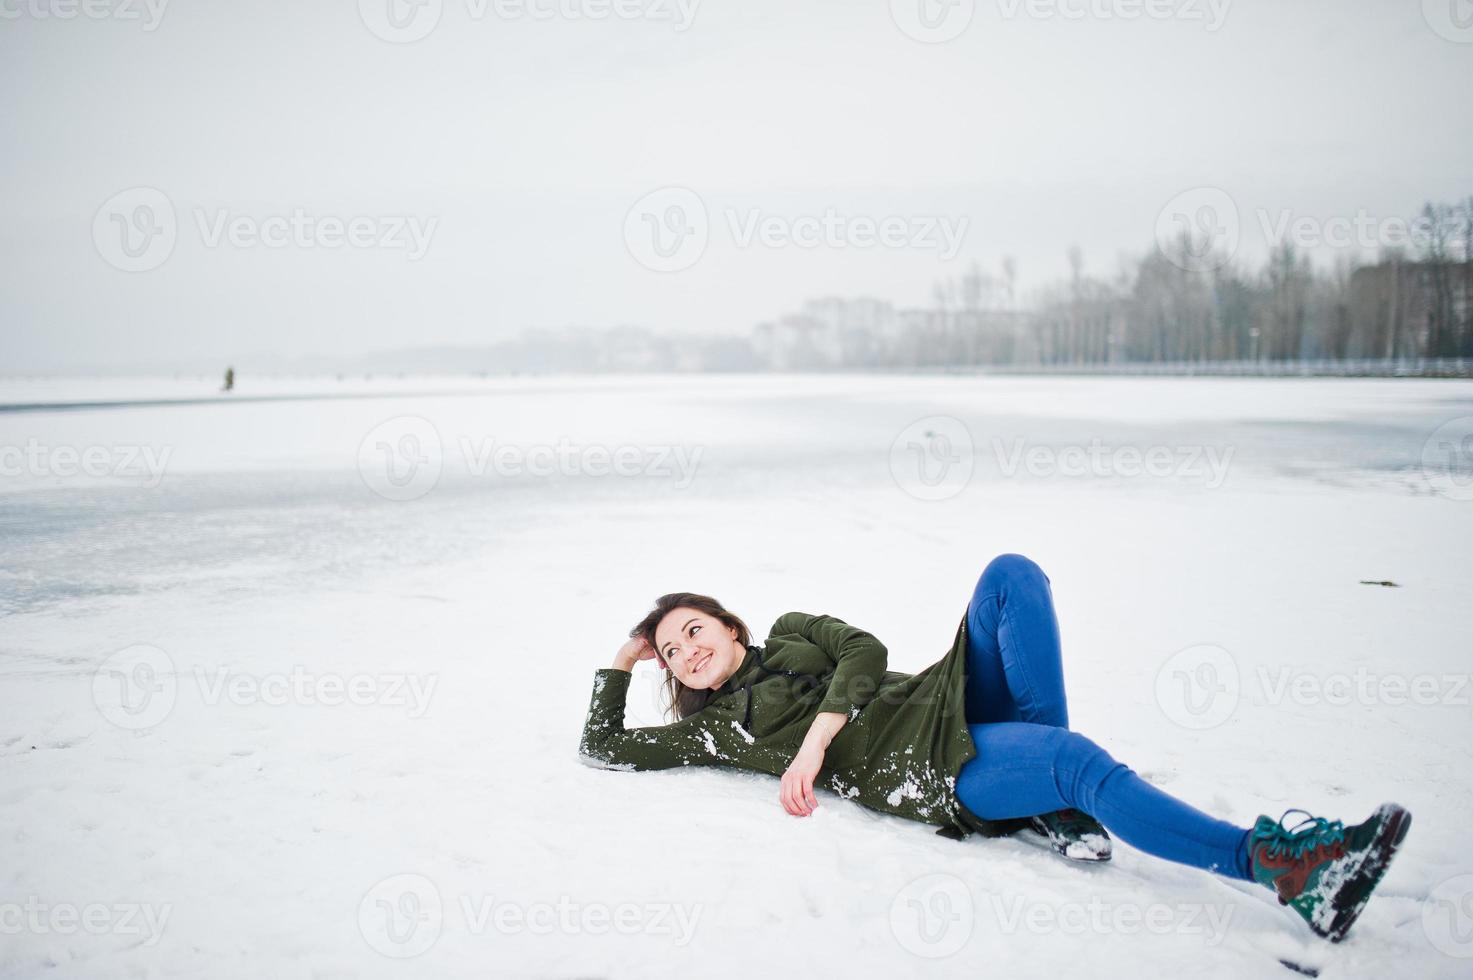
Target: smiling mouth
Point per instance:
(701, 664)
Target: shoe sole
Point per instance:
(1350, 900)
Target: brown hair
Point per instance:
(682, 701)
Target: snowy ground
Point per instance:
(277, 702)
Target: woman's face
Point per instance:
(698, 648)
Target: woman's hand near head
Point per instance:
(632, 652)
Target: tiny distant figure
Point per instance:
(229, 380)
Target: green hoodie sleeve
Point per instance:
(694, 741)
(859, 658)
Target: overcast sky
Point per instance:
(492, 164)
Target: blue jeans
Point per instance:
(1028, 762)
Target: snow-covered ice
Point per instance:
(302, 695)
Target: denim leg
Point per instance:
(1022, 769)
(1015, 669)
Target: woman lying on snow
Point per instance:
(979, 741)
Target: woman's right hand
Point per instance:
(632, 653)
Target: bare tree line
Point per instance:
(1183, 302)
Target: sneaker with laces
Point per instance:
(1324, 870)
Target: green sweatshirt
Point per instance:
(900, 751)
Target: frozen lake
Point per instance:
(293, 680)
